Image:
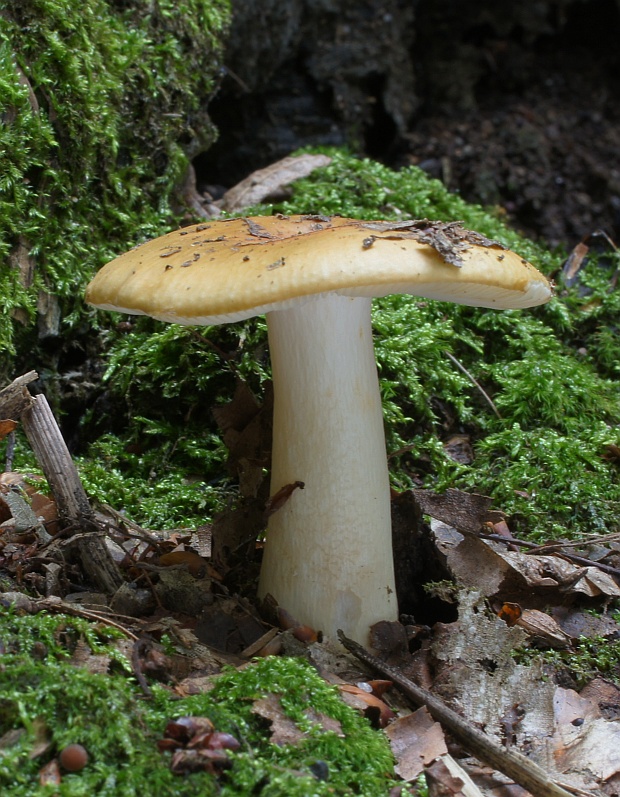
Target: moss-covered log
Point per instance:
(101, 102)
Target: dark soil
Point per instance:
(511, 104)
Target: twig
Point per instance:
(474, 382)
(555, 549)
(513, 764)
(53, 455)
(88, 614)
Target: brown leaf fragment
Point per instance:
(194, 563)
(528, 579)
(246, 431)
(416, 740)
(284, 730)
(84, 657)
(448, 239)
(279, 498)
(464, 511)
(255, 648)
(374, 709)
(574, 262)
(606, 695)
(389, 638)
(442, 783)
(543, 629)
(459, 449)
(186, 761)
(49, 775)
(6, 427)
(577, 623)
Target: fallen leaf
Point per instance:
(416, 740)
(285, 731)
(280, 498)
(543, 629)
(378, 712)
(6, 427)
(464, 511)
(194, 563)
(442, 783)
(49, 775)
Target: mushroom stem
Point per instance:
(328, 554)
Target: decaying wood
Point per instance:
(271, 180)
(55, 460)
(511, 763)
(15, 398)
(96, 561)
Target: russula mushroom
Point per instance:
(328, 552)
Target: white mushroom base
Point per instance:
(328, 552)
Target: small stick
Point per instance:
(474, 382)
(53, 455)
(513, 764)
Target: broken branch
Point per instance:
(513, 764)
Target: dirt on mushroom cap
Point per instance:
(228, 270)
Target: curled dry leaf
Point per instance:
(543, 629)
(278, 499)
(194, 563)
(197, 746)
(6, 427)
(373, 708)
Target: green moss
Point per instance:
(46, 698)
(551, 372)
(160, 484)
(588, 658)
(100, 102)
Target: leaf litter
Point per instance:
(507, 599)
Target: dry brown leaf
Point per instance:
(49, 775)
(377, 712)
(84, 657)
(463, 511)
(543, 629)
(442, 783)
(6, 427)
(283, 729)
(577, 623)
(416, 740)
(194, 563)
(526, 578)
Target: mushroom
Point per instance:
(328, 552)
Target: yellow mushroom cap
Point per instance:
(228, 270)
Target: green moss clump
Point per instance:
(44, 698)
(587, 659)
(551, 372)
(101, 103)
